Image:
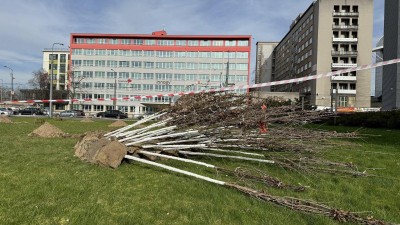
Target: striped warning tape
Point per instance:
(232, 88)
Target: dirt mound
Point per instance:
(48, 130)
(5, 119)
(87, 120)
(118, 123)
(95, 148)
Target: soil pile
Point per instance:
(118, 123)
(95, 148)
(5, 119)
(48, 130)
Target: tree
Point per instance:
(74, 83)
(40, 83)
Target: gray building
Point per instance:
(391, 73)
(265, 63)
(329, 35)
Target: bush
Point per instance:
(384, 119)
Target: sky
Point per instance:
(27, 27)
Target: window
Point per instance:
(125, 41)
(53, 57)
(230, 55)
(148, 65)
(101, 41)
(148, 53)
(112, 63)
(136, 76)
(164, 65)
(100, 63)
(90, 41)
(205, 43)
(124, 75)
(204, 54)
(63, 57)
(217, 54)
(204, 66)
(217, 43)
(136, 53)
(88, 74)
(164, 54)
(148, 76)
(136, 64)
(147, 87)
(193, 43)
(87, 62)
(99, 85)
(180, 65)
(159, 87)
(191, 77)
(230, 43)
(135, 86)
(62, 68)
(192, 54)
(179, 76)
(242, 66)
(191, 66)
(123, 63)
(166, 42)
(243, 43)
(114, 41)
(164, 76)
(150, 42)
(79, 40)
(125, 53)
(180, 54)
(99, 74)
(137, 41)
(180, 42)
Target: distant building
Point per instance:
(391, 73)
(60, 66)
(265, 62)
(148, 65)
(330, 35)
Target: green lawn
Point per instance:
(42, 182)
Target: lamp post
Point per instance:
(12, 82)
(51, 79)
(115, 90)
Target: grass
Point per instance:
(41, 182)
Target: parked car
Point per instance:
(30, 111)
(79, 112)
(113, 114)
(6, 112)
(68, 113)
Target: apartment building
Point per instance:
(59, 58)
(265, 63)
(105, 66)
(329, 35)
(391, 73)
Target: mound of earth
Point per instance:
(48, 130)
(95, 148)
(5, 119)
(118, 123)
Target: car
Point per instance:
(30, 111)
(68, 113)
(113, 114)
(6, 111)
(79, 112)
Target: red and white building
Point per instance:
(144, 65)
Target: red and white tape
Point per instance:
(232, 88)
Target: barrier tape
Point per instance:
(232, 88)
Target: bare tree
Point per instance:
(40, 83)
(74, 83)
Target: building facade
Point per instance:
(379, 70)
(330, 35)
(105, 66)
(391, 73)
(265, 63)
(60, 66)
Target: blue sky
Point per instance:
(29, 26)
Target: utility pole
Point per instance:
(1, 91)
(115, 89)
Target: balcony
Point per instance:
(337, 39)
(343, 65)
(349, 14)
(345, 91)
(344, 53)
(345, 27)
(343, 78)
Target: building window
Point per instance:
(205, 43)
(137, 41)
(136, 64)
(217, 43)
(125, 41)
(180, 54)
(180, 42)
(114, 41)
(166, 42)
(99, 74)
(79, 40)
(90, 41)
(101, 41)
(148, 76)
(243, 43)
(179, 76)
(149, 65)
(63, 58)
(62, 68)
(193, 43)
(150, 42)
(230, 43)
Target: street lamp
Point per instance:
(51, 79)
(115, 89)
(12, 82)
